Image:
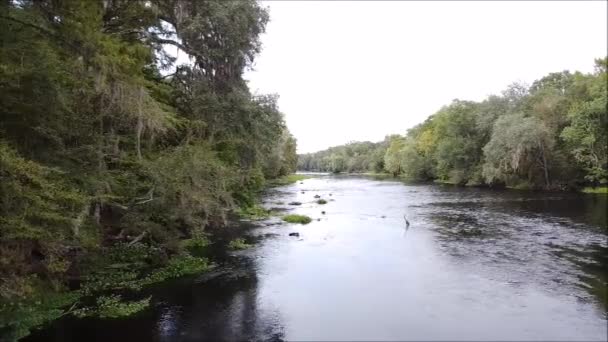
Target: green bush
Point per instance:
(321, 201)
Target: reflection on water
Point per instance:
(474, 264)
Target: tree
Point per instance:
(586, 135)
(520, 147)
(393, 159)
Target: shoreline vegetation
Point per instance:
(384, 175)
(551, 135)
(117, 164)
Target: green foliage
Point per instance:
(112, 154)
(354, 157)
(133, 267)
(178, 266)
(195, 243)
(321, 201)
(303, 219)
(551, 135)
(393, 158)
(597, 190)
(18, 318)
(238, 244)
(39, 212)
(255, 212)
(586, 134)
(113, 307)
(519, 147)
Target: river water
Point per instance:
(474, 264)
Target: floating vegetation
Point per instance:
(238, 244)
(303, 219)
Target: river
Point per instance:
(474, 264)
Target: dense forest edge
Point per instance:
(552, 135)
(115, 160)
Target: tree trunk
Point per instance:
(545, 167)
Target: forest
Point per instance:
(550, 135)
(114, 158)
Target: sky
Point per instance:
(356, 71)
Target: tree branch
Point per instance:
(38, 28)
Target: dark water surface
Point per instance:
(475, 264)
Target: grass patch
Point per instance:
(596, 190)
(238, 244)
(286, 180)
(255, 212)
(321, 201)
(303, 219)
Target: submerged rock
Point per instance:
(317, 196)
(295, 203)
(323, 212)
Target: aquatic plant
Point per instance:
(293, 218)
(254, 212)
(238, 244)
(113, 307)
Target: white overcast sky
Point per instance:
(360, 70)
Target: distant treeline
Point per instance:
(550, 135)
(353, 157)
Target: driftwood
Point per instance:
(138, 238)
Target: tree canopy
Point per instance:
(105, 140)
(550, 135)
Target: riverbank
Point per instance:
(112, 282)
(521, 187)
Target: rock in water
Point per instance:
(294, 234)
